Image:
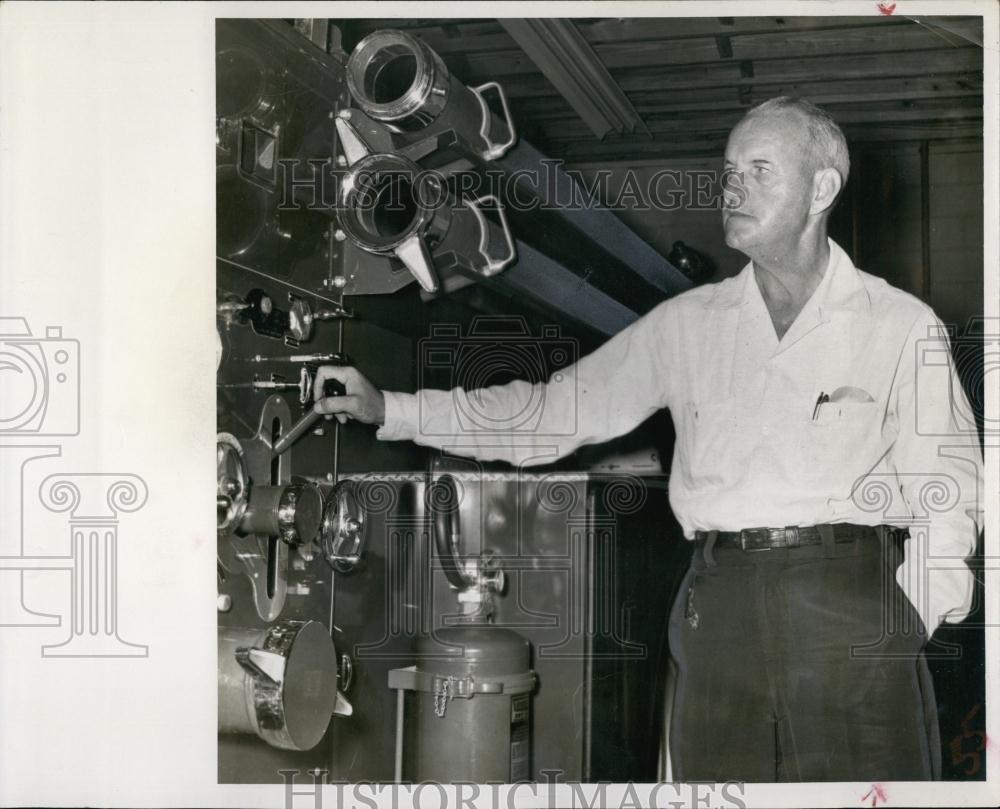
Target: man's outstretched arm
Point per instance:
(603, 395)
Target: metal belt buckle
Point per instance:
(746, 533)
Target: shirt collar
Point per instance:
(841, 288)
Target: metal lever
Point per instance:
(331, 387)
(257, 385)
(303, 386)
(291, 358)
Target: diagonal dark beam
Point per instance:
(576, 71)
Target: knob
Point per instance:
(494, 580)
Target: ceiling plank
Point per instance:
(682, 76)
(512, 61)
(842, 41)
(819, 92)
(660, 28)
(467, 44)
(469, 26)
(911, 63)
(942, 61)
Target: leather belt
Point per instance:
(792, 536)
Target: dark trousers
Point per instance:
(800, 664)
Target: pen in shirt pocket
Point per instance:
(846, 393)
(820, 400)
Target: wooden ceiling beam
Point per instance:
(918, 89)
(472, 26)
(569, 62)
(667, 28)
(843, 41)
(870, 66)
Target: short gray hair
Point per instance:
(829, 146)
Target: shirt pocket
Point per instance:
(840, 444)
(714, 436)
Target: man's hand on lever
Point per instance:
(362, 401)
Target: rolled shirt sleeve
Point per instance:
(938, 461)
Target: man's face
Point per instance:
(771, 152)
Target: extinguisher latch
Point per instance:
(443, 694)
(445, 688)
(448, 688)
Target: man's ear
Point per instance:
(826, 186)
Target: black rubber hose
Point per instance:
(444, 507)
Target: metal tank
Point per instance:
(471, 716)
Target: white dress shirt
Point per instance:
(896, 442)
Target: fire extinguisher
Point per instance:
(472, 684)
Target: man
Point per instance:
(803, 426)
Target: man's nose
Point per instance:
(733, 193)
